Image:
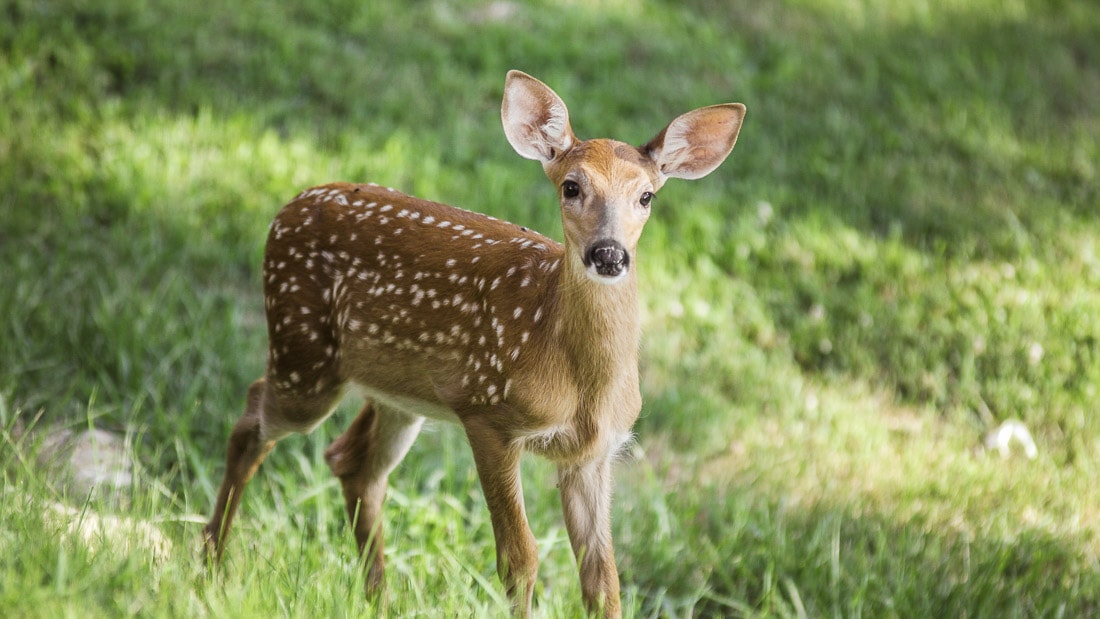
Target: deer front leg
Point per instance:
(498, 469)
(586, 501)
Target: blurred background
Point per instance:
(872, 337)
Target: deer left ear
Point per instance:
(696, 143)
(536, 121)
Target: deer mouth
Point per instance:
(607, 261)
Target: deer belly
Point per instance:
(563, 444)
(409, 405)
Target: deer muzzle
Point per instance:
(608, 258)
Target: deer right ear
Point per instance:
(696, 143)
(535, 118)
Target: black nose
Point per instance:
(608, 257)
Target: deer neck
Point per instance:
(597, 326)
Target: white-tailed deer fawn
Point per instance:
(433, 311)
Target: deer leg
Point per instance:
(497, 462)
(267, 418)
(586, 501)
(245, 452)
(362, 458)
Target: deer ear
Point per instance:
(696, 143)
(535, 118)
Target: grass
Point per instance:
(901, 254)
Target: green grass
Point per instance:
(902, 252)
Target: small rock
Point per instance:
(1009, 432)
(87, 461)
(121, 533)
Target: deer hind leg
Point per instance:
(362, 458)
(270, 414)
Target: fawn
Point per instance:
(430, 311)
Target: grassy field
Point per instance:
(902, 253)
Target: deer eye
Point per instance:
(570, 189)
(646, 198)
